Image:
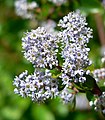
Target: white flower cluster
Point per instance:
(39, 86)
(99, 103)
(58, 2)
(99, 74)
(24, 9)
(74, 38)
(42, 48)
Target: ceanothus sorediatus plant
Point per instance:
(60, 61)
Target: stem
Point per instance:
(59, 68)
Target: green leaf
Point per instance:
(60, 58)
(90, 82)
(60, 86)
(102, 88)
(55, 72)
(89, 95)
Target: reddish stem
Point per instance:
(96, 90)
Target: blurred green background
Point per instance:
(12, 62)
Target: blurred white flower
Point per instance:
(24, 9)
(58, 2)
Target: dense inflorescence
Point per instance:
(39, 86)
(46, 50)
(74, 38)
(40, 48)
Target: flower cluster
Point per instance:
(99, 74)
(39, 86)
(74, 38)
(58, 2)
(24, 9)
(99, 103)
(40, 48)
(44, 50)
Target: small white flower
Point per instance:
(91, 103)
(16, 91)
